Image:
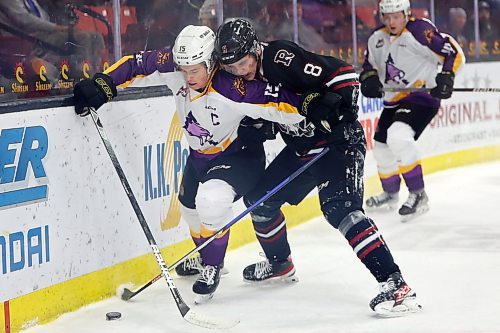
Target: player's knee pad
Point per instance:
(192, 218)
(383, 154)
(264, 212)
(214, 203)
(400, 139)
(352, 221)
(336, 210)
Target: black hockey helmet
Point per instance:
(235, 39)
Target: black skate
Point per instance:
(417, 204)
(207, 283)
(193, 266)
(383, 201)
(282, 270)
(395, 299)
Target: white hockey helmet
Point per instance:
(394, 6)
(194, 45)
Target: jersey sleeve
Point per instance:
(449, 53)
(262, 99)
(141, 64)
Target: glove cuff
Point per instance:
(368, 73)
(307, 101)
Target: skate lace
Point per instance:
(412, 199)
(207, 275)
(263, 268)
(193, 262)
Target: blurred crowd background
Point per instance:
(48, 45)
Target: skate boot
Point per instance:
(395, 299)
(274, 270)
(206, 284)
(416, 205)
(193, 266)
(385, 200)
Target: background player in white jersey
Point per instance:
(210, 104)
(405, 53)
(338, 175)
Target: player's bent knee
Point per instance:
(337, 211)
(214, 203)
(351, 220)
(264, 212)
(400, 136)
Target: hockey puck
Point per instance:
(113, 315)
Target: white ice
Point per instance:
(449, 256)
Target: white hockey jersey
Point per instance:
(210, 119)
(411, 59)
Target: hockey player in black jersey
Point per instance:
(331, 88)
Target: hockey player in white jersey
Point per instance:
(404, 53)
(210, 103)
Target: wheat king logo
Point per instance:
(21, 153)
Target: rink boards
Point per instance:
(68, 234)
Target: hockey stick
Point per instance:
(186, 312)
(454, 89)
(128, 294)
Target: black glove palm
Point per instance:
(444, 88)
(370, 84)
(321, 110)
(93, 93)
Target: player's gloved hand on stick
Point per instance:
(370, 84)
(321, 110)
(444, 88)
(93, 93)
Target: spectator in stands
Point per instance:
(487, 30)
(457, 18)
(207, 15)
(280, 26)
(27, 18)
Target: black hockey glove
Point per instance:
(321, 110)
(93, 93)
(444, 88)
(370, 84)
(256, 130)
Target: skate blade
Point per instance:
(388, 310)
(382, 209)
(420, 211)
(200, 299)
(280, 279)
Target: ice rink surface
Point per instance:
(449, 256)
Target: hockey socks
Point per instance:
(272, 237)
(368, 245)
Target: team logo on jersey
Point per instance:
(193, 127)
(429, 34)
(162, 57)
(380, 43)
(183, 91)
(240, 86)
(284, 57)
(392, 73)
(304, 128)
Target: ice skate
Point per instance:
(383, 201)
(267, 271)
(206, 284)
(193, 266)
(395, 299)
(416, 204)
